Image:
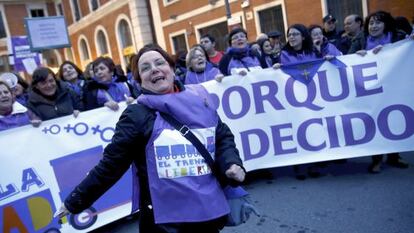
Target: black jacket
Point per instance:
(63, 104)
(132, 134)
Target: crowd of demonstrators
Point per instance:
(202, 206)
(104, 84)
(199, 68)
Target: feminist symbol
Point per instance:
(102, 132)
(53, 129)
(79, 129)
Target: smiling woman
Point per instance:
(191, 200)
(50, 98)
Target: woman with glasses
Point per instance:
(239, 59)
(199, 69)
(299, 47)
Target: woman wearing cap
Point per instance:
(238, 59)
(13, 114)
(107, 87)
(379, 30)
(50, 98)
(199, 69)
(168, 201)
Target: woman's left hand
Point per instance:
(235, 172)
(129, 100)
(377, 49)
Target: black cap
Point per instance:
(329, 18)
(274, 34)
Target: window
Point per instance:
(125, 38)
(69, 54)
(340, 9)
(2, 28)
(271, 19)
(76, 10)
(219, 32)
(37, 13)
(102, 44)
(179, 43)
(84, 52)
(94, 5)
(59, 8)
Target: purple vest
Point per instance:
(182, 187)
(209, 74)
(15, 119)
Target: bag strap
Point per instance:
(186, 132)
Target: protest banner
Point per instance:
(355, 106)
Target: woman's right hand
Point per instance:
(361, 52)
(276, 66)
(219, 78)
(112, 105)
(62, 212)
(35, 123)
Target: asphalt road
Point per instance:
(346, 200)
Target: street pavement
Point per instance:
(346, 200)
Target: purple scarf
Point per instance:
(209, 73)
(118, 91)
(373, 42)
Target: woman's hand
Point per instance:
(377, 49)
(276, 66)
(76, 113)
(329, 57)
(219, 77)
(35, 123)
(242, 73)
(235, 172)
(62, 212)
(112, 105)
(361, 52)
(129, 100)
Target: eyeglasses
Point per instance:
(293, 34)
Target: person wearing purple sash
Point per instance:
(107, 87)
(379, 30)
(199, 69)
(12, 113)
(73, 77)
(175, 189)
(239, 58)
(321, 43)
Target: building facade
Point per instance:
(180, 23)
(114, 28)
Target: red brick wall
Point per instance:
(51, 9)
(15, 14)
(301, 11)
(395, 7)
(108, 22)
(84, 7)
(67, 9)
